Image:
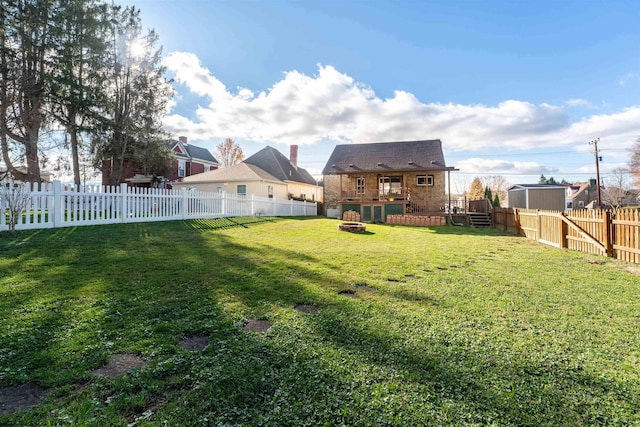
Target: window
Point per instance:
(390, 186)
(182, 168)
(303, 196)
(270, 191)
(241, 189)
(424, 180)
(360, 185)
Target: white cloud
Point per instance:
(503, 167)
(626, 79)
(577, 102)
(331, 105)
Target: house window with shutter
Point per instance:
(182, 168)
(241, 189)
(270, 191)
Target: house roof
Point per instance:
(277, 164)
(387, 156)
(237, 172)
(191, 151)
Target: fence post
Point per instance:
(564, 231)
(124, 213)
(606, 233)
(291, 204)
(57, 204)
(253, 212)
(184, 203)
(538, 225)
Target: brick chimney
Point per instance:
(182, 139)
(293, 155)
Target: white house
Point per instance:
(267, 173)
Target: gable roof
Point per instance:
(237, 172)
(387, 156)
(275, 163)
(191, 151)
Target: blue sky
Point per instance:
(512, 88)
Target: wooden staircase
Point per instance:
(479, 219)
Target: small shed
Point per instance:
(537, 196)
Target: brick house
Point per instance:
(189, 160)
(387, 178)
(582, 195)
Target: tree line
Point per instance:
(86, 69)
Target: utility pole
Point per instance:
(595, 146)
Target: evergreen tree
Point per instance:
(25, 41)
(137, 96)
(487, 193)
(496, 201)
(77, 81)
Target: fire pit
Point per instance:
(352, 227)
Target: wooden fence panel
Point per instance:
(592, 223)
(626, 235)
(600, 232)
(527, 222)
(550, 228)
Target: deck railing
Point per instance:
(375, 195)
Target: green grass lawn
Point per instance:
(465, 326)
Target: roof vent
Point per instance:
(433, 162)
(334, 165)
(350, 165)
(379, 164)
(410, 162)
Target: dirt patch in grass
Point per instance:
(19, 397)
(119, 365)
(257, 325)
(347, 293)
(194, 342)
(307, 308)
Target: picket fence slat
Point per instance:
(58, 205)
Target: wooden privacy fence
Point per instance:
(58, 205)
(604, 232)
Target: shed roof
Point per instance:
(535, 186)
(387, 156)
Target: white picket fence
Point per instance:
(64, 205)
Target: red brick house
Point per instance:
(189, 160)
